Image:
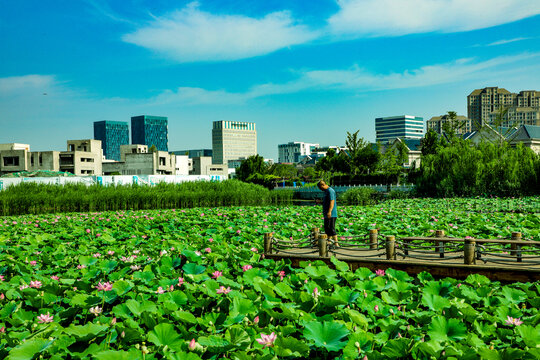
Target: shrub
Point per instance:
(359, 196)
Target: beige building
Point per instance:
(233, 140)
(202, 165)
(461, 124)
(483, 106)
(13, 158)
(83, 157)
(136, 160)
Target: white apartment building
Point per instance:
(233, 140)
(293, 152)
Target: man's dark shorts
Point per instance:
(330, 226)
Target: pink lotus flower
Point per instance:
(254, 249)
(192, 344)
(81, 266)
(281, 274)
(211, 240)
(459, 285)
(136, 251)
(33, 262)
(256, 320)
(379, 272)
(160, 290)
(267, 340)
(1, 277)
(88, 231)
(246, 267)
(3, 329)
(104, 287)
(2, 296)
(54, 277)
(98, 235)
(376, 308)
(198, 253)
(316, 293)
(135, 267)
(97, 255)
(180, 281)
(216, 274)
(113, 321)
(110, 252)
(35, 284)
(45, 318)
(208, 250)
(22, 287)
(238, 231)
(223, 290)
(512, 321)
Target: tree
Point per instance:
(355, 145)
(392, 160)
(284, 171)
(431, 143)
(309, 174)
(252, 165)
(152, 149)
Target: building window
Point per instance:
(40, 160)
(71, 147)
(11, 161)
(161, 161)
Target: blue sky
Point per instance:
(302, 70)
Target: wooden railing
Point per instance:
(497, 251)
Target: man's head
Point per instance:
(322, 185)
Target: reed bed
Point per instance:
(42, 198)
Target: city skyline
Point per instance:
(300, 72)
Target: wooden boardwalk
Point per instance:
(506, 260)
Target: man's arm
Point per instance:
(329, 215)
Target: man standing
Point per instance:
(329, 211)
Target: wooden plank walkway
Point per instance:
(415, 255)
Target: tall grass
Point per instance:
(28, 198)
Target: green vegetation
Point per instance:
(463, 169)
(30, 198)
(193, 284)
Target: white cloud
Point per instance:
(35, 84)
(193, 35)
(356, 79)
(507, 41)
(400, 17)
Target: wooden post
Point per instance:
(390, 247)
(439, 245)
(323, 245)
(315, 236)
(268, 243)
(513, 247)
(469, 250)
(373, 239)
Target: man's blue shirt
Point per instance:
(329, 195)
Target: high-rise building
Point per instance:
(233, 140)
(150, 130)
(461, 124)
(388, 129)
(293, 151)
(193, 153)
(112, 134)
(523, 109)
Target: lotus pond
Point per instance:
(190, 284)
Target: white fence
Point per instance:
(110, 180)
